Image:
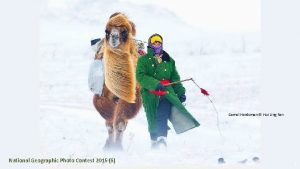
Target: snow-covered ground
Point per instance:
(227, 65)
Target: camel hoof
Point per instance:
(118, 147)
(108, 145)
(112, 147)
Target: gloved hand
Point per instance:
(160, 87)
(182, 98)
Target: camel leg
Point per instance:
(120, 123)
(110, 140)
(106, 108)
(124, 111)
(116, 112)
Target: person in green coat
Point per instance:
(162, 102)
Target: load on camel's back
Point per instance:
(117, 94)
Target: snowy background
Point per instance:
(227, 64)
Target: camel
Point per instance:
(120, 99)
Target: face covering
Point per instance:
(157, 50)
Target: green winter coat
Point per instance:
(148, 74)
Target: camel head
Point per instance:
(118, 29)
